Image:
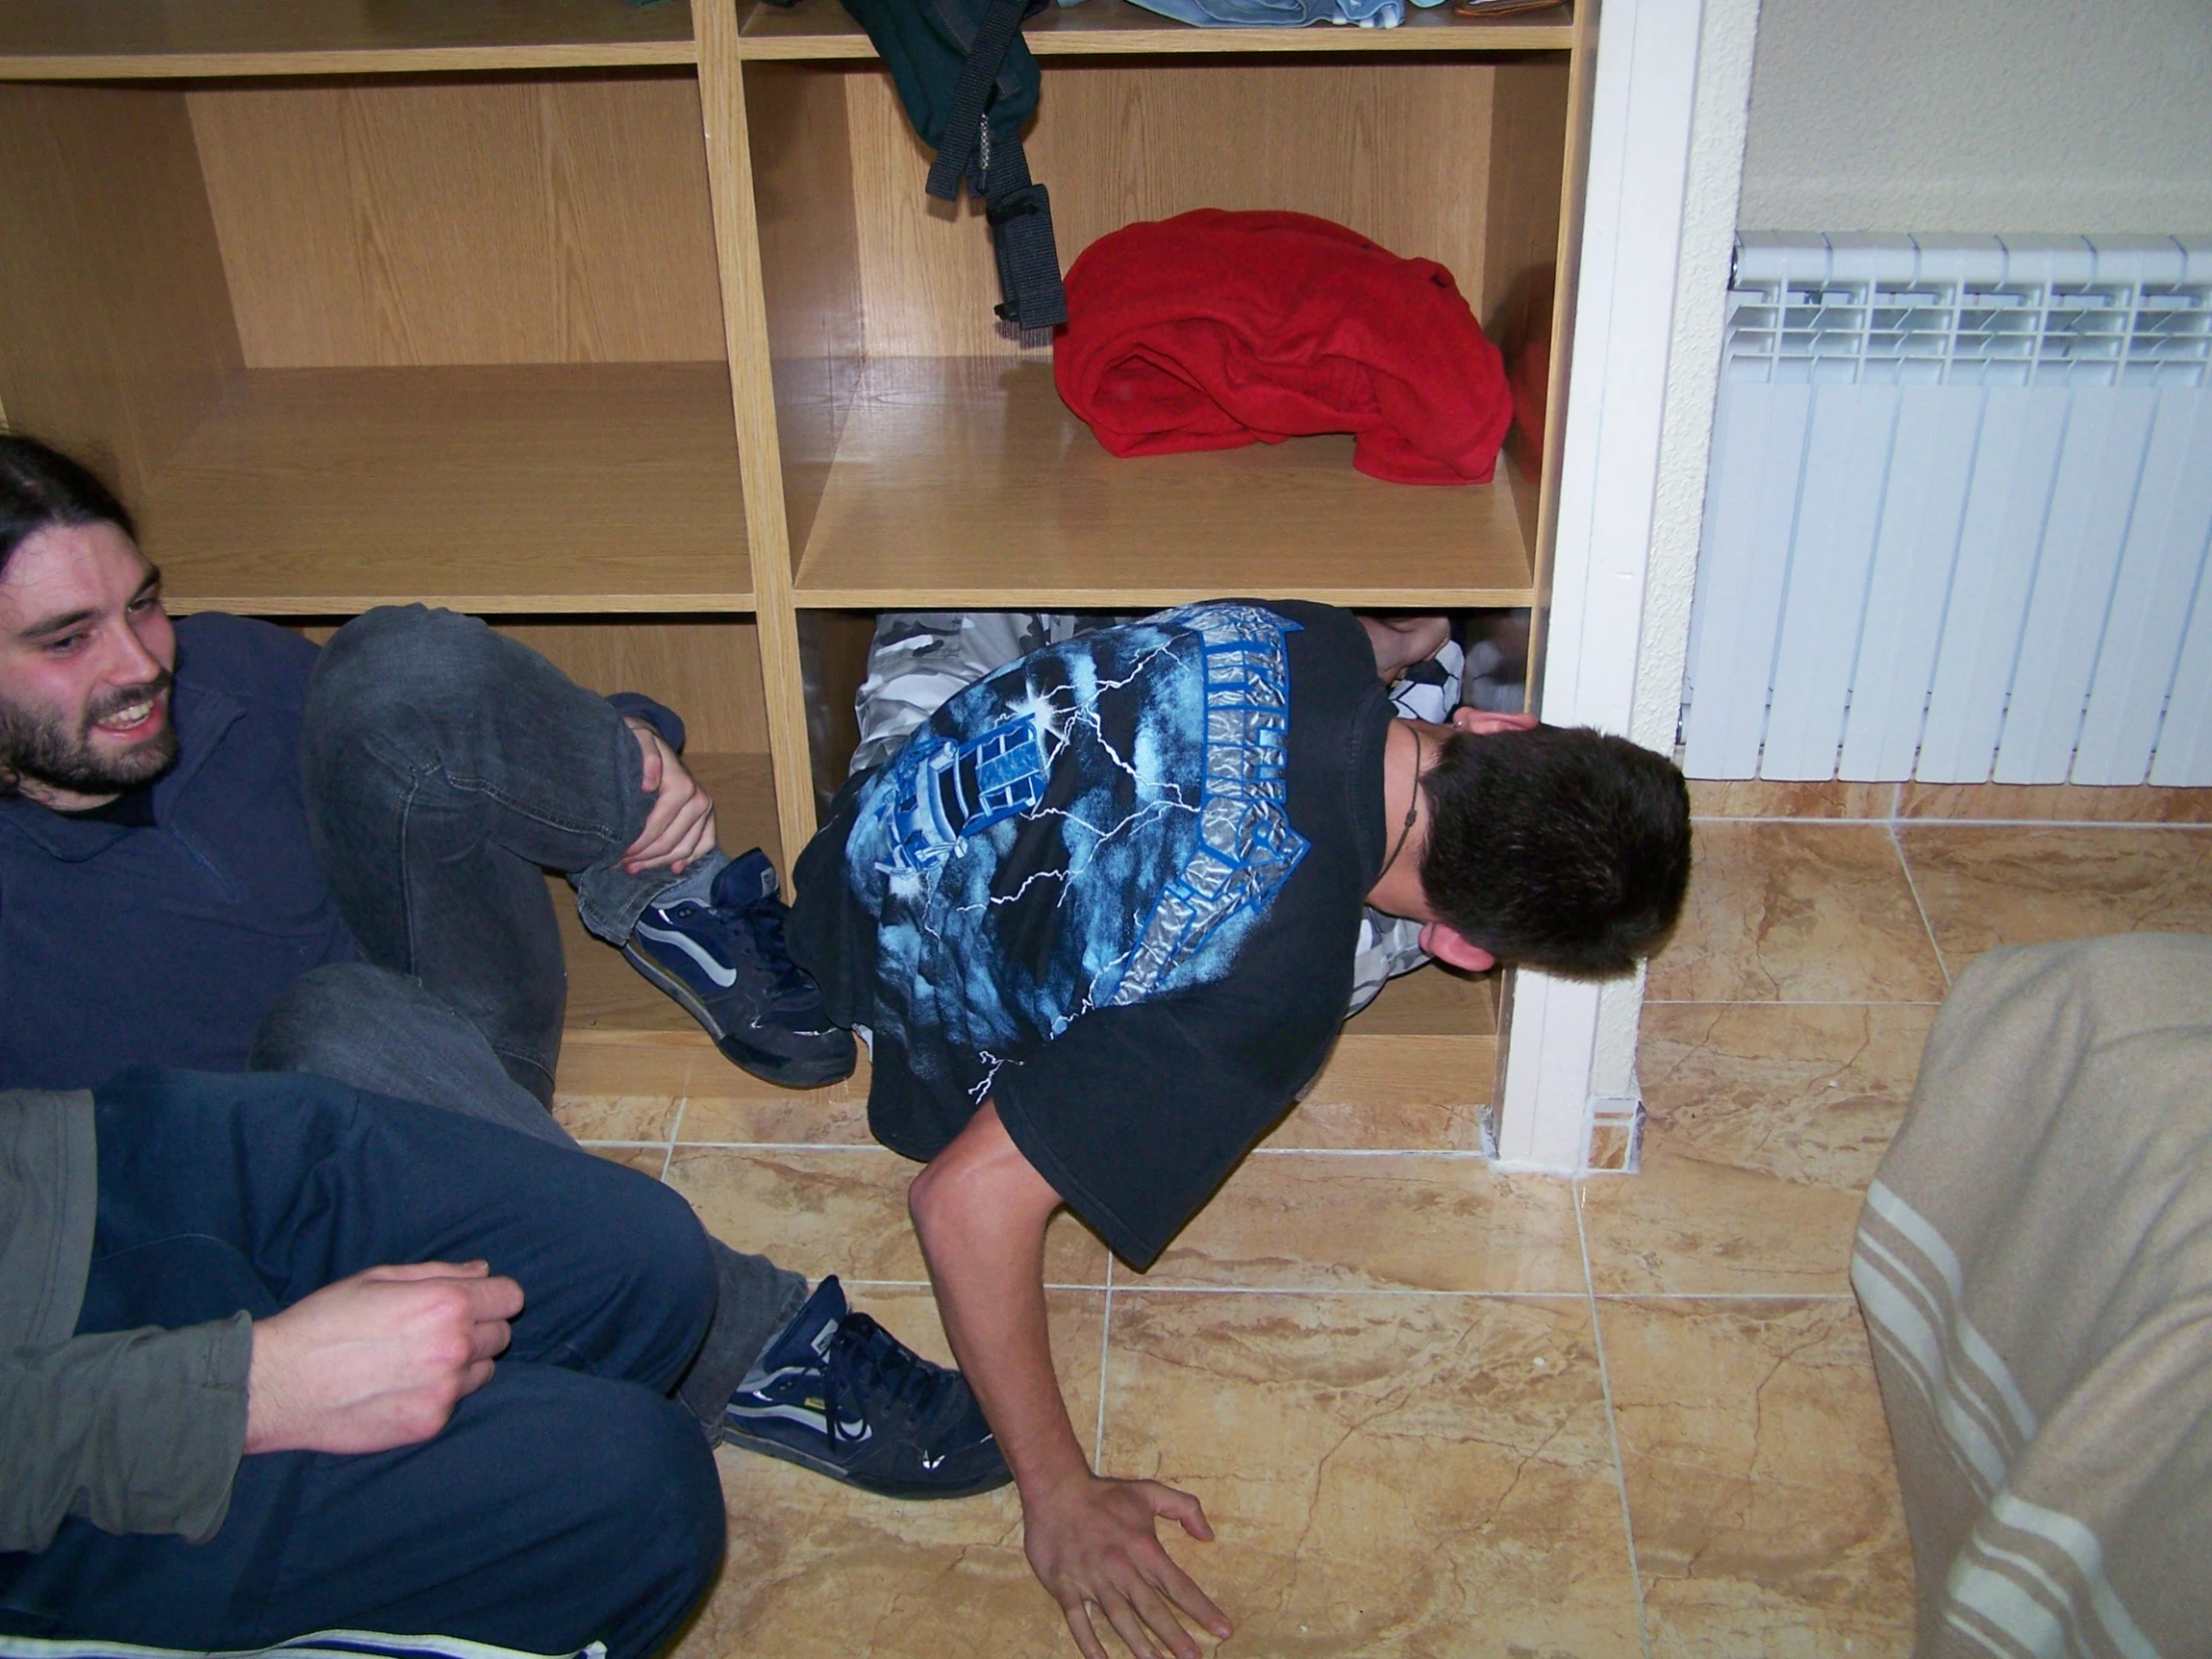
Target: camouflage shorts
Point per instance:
(920, 658)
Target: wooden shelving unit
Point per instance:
(946, 463)
(631, 329)
(1099, 28)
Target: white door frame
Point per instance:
(1667, 121)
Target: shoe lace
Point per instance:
(873, 1370)
(766, 923)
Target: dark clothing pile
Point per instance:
(1214, 330)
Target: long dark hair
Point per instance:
(40, 487)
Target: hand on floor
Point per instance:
(1093, 1544)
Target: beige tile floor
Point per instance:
(1433, 1410)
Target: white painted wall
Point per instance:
(1982, 114)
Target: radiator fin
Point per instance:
(1957, 519)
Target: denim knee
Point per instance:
(400, 657)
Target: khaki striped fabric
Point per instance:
(2034, 1261)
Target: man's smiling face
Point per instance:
(86, 656)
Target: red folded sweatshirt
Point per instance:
(1214, 330)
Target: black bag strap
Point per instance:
(964, 122)
(1031, 298)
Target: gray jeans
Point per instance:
(446, 768)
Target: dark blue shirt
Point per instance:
(124, 943)
(122, 946)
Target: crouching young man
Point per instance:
(256, 1378)
(1099, 916)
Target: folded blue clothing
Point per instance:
(1280, 14)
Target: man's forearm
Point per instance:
(982, 1222)
(136, 1430)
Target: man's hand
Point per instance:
(681, 826)
(376, 1360)
(1092, 1543)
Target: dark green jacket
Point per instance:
(134, 1431)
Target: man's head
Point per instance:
(1555, 848)
(86, 651)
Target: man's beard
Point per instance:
(36, 747)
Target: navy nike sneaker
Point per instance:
(724, 961)
(839, 1395)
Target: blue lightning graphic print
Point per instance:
(1101, 823)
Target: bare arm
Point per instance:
(980, 1210)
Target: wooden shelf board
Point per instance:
(550, 488)
(608, 1001)
(965, 481)
(821, 28)
(50, 39)
(1431, 1001)
(1429, 1038)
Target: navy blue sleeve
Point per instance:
(662, 720)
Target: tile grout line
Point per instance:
(675, 1132)
(1897, 845)
(1105, 1336)
(1737, 1002)
(1098, 1286)
(1613, 1424)
(1964, 823)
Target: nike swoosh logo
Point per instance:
(722, 976)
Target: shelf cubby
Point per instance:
(110, 40)
(348, 341)
(821, 29)
(930, 463)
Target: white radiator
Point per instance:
(1959, 512)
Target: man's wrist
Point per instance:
(1043, 1476)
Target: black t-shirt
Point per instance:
(1114, 887)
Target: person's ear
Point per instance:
(1447, 944)
(1484, 724)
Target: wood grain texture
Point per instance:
(1529, 141)
(608, 487)
(708, 670)
(821, 28)
(965, 481)
(115, 329)
(1398, 150)
(737, 255)
(810, 268)
(408, 224)
(112, 39)
(1575, 172)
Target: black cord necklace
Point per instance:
(1412, 809)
